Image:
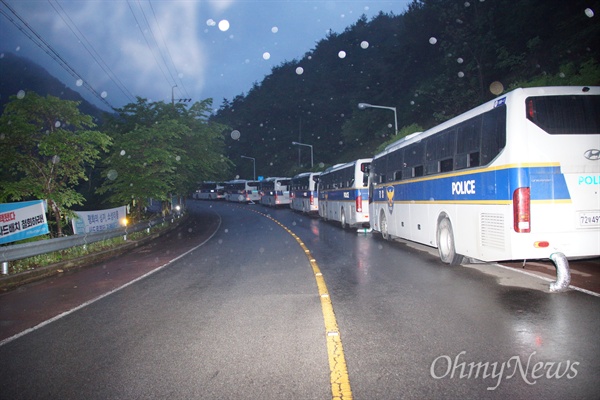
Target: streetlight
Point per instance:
(362, 106)
(311, 151)
(253, 164)
(173, 95)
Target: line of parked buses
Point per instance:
(515, 178)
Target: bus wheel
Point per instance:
(383, 226)
(445, 242)
(343, 219)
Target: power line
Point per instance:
(45, 46)
(167, 48)
(91, 50)
(148, 43)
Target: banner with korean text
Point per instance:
(97, 221)
(22, 220)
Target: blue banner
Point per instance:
(22, 220)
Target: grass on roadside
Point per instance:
(42, 260)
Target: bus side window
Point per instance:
(447, 165)
(418, 171)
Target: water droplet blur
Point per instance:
(299, 70)
(589, 12)
(224, 25)
(266, 55)
(496, 88)
(364, 44)
(342, 54)
(112, 174)
(274, 29)
(79, 82)
(235, 135)
(122, 152)
(20, 94)
(55, 159)
(211, 22)
(432, 40)
(459, 60)
(103, 94)
(461, 74)
(178, 158)
(57, 124)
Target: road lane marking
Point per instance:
(340, 383)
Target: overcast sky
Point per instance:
(208, 49)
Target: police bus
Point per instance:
(242, 191)
(343, 193)
(275, 191)
(303, 192)
(515, 178)
(210, 191)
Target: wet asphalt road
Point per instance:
(240, 317)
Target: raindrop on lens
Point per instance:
(20, 94)
(266, 55)
(235, 135)
(461, 74)
(589, 12)
(364, 44)
(57, 124)
(103, 94)
(79, 82)
(432, 40)
(122, 152)
(496, 88)
(342, 54)
(224, 25)
(299, 70)
(112, 174)
(274, 29)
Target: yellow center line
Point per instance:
(340, 383)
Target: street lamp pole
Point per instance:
(173, 95)
(253, 165)
(311, 151)
(362, 106)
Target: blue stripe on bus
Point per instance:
(546, 183)
(344, 195)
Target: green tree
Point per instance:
(46, 145)
(161, 150)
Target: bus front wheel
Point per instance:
(445, 242)
(383, 226)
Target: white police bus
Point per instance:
(303, 192)
(515, 178)
(242, 191)
(275, 191)
(343, 193)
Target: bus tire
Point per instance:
(383, 226)
(445, 243)
(343, 219)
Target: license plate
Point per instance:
(589, 219)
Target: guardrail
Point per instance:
(31, 249)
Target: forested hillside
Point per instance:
(437, 60)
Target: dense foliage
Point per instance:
(438, 59)
(161, 150)
(46, 145)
